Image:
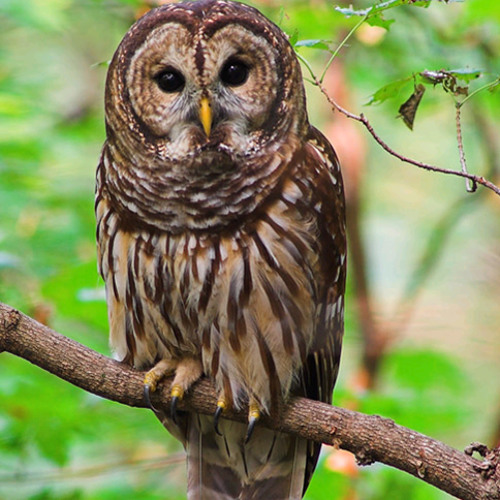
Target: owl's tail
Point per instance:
(271, 466)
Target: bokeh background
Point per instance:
(422, 343)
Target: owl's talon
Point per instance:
(217, 414)
(147, 390)
(146, 393)
(221, 406)
(253, 418)
(177, 393)
(251, 426)
(173, 409)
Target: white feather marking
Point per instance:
(291, 192)
(223, 252)
(332, 177)
(192, 244)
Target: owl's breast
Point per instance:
(206, 192)
(242, 301)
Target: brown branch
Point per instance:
(476, 179)
(370, 437)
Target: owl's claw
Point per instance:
(253, 418)
(151, 379)
(221, 406)
(177, 393)
(147, 397)
(173, 409)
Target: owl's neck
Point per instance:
(208, 193)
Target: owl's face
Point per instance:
(204, 109)
(204, 77)
(195, 91)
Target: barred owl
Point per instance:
(221, 239)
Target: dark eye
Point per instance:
(170, 80)
(234, 73)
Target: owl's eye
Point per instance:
(170, 80)
(234, 73)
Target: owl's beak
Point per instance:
(206, 115)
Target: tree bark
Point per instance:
(370, 438)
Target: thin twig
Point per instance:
(342, 43)
(362, 119)
(471, 186)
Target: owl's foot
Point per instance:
(188, 371)
(153, 376)
(253, 418)
(221, 406)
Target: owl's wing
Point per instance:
(322, 169)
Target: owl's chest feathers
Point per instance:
(202, 192)
(221, 297)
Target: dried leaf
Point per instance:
(409, 108)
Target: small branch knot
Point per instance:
(482, 449)
(485, 468)
(9, 324)
(11, 320)
(491, 462)
(421, 467)
(363, 457)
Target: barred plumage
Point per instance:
(223, 252)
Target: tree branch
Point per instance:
(370, 437)
(476, 179)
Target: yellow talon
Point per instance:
(177, 391)
(253, 412)
(151, 380)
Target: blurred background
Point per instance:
(422, 342)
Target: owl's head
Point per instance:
(205, 79)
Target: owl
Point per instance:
(221, 237)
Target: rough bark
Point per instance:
(370, 437)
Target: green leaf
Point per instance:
(379, 21)
(313, 44)
(389, 91)
(465, 74)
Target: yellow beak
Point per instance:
(206, 115)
